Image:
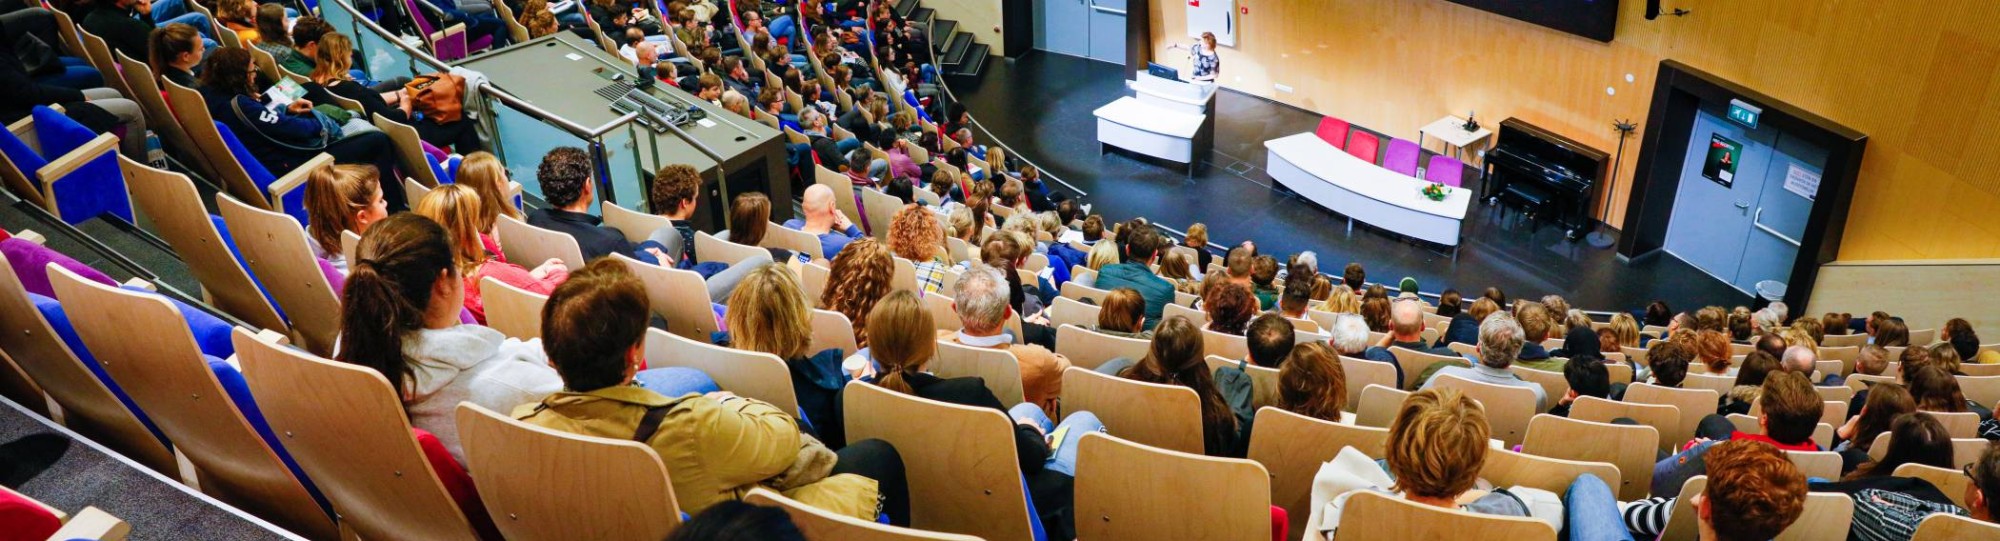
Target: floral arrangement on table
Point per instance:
(1434, 191)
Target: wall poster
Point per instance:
(1720, 166)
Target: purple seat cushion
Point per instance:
(31, 261)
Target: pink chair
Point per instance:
(447, 43)
(1333, 131)
(1444, 170)
(1363, 145)
(1402, 157)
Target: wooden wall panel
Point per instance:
(1918, 80)
(1924, 293)
(976, 17)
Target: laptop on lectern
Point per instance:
(1163, 71)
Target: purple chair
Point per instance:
(447, 44)
(1401, 157)
(1444, 170)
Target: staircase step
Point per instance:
(921, 16)
(973, 63)
(941, 32)
(904, 7)
(954, 50)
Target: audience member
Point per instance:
(1175, 358)
(751, 214)
(331, 77)
(483, 172)
(1406, 330)
(1312, 382)
(565, 176)
(1375, 312)
(173, 52)
(1269, 339)
(980, 299)
(768, 314)
(1587, 376)
(1123, 314)
(1888, 506)
(1464, 325)
(400, 317)
(283, 138)
(732, 520)
(1500, 343)
(1982, 496)
(1229, 306)
(457, 207)
(341, 198)
(1263, 277)
(1140, 246)
(825, 220)
(1880, 406)
(1791, 412)
(125, 24)
(1669, 361)
(859, 278)
(99, 109)
(1711, 349)
(1757, 368)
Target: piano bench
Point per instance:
(1531, 201)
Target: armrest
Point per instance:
(297, 177)
(31, 236)
(272, 337)
(457, 30)
(141, 284)
(68, 163)
(94, 523)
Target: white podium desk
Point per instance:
(1174, 94)
(1363, 191)
(1135, 125)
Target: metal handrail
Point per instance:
(414, 52)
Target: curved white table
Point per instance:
(1364, 191)
(1152, 130)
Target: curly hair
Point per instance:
(1753, 490)
(914, 234)
(1230, 306)
(563, 173)
(860, 278)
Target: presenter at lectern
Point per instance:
(1206, 63)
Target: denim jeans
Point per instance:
(1063, 457)
(77, 74)
(674, 381)
(1593, 511)
(199, 21)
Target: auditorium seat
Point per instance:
(513, 311)
(998, 368)
(1505, 468)
(1361, 373)
(555, 485)
(1964, 450)
(1090, 349)
(749, 374)
(53, 162)
(528, 246)
(31, 520)
(1415, 362)
(1390, 517)
(1843, 340)
(1664, 419)
(274, 246)
(1363, 145)
(963, 473)
(346, 427)
(1075, 290)
(1944, 527)
(1263, 380)
(1229, 346)
(1379, 404)
(1950, 481)
(159, 118)
(411, 159)
(1067, 311)
(1402, 157)
(832, 330)
(240, 174)
(678, 296)
(1293, 447)
(180, 218)
(1197, 317)
(1166, 416)
(450, 43)
(813, 277)
(1120, 493)
(1445, 170)
(880, 208)
(778, 236)
(1827, 515)
(1821, 464)
(1632, 448)
(1981, 389)
(186, 392)
(98, 53)
(1508, 408)
(1333, 131)
(1554, 385)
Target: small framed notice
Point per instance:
(1802, 181)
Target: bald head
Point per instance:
(818, 198)
(1406, 318)
(1799, 359)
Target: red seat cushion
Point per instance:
(1333, 131)
(1363, 145)
(25, 519)
(457, 482)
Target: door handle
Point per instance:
(1757, 220)
(1102, 9)
(1743, 205)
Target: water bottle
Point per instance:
(155, 154)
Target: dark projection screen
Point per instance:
(1594, 19)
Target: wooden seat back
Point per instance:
(708, 248)
(1090, 349)
(960, 461)
(513, 311)
(1263, 380)
(1827, 515)
(831, 330)
(997, 367)
(818, 523)
(749, 374)
(553, 485)
(1379, 404)
(1945, 527)
(1508, 409)
(1165, 416)
(1633, 448)
(1664, 419)
(191, 110)
(175, 207)
(636, 226)
(1292, 447)
(678, 296)
(1691, 404)
(1228, 346)
(1380, 516)
(1121, 494)
(1507, 468)
(1361, 373)
(276, 248)
(529, 246)
(1415, 362)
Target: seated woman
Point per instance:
(332, 75)
(1311, 382)
(173, 51)
(768, 314)
(487, 177)
(1883, 403)
(1123, 314)
(457, 208)
(718, 445)
(914, 234)
(1230, 305)
(1436, 448)
(274, 32)
(99, 109)
(1749, 383)
(284, 137)
(400, 317)
(341, 198)
(1175, 358)
(859, 278)
(904, 343)
(239, 16)
(751, 214)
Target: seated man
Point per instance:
(1982, 497)
(720, 445)
(1270, 338)
(565, 174)
(1669, 360)
(1141, 246)
(980, 299)
(825, 220)
(1537, 321)
(1499, 343)
(1586, 376)
(677, 189)
(1406, 330)
(1791, 411)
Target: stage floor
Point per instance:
(1040, 107)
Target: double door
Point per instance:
(1743, 201)
(1093, 29)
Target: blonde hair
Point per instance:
(333, 58)
(333, 194)
(1795, 336)
(1103, 253)
(768, 313)
(906, 341)
(456, 207)
(1626, 329)
(1197, 235)
(488, 177)
(1343, 301)
(860, 277)
(1437, 443)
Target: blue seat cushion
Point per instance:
(59, 321)
(294, 203)
(211, 333)
(230, 242)
(239, 393)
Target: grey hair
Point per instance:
(1309, 259)
(981, 297)
(1799, 359)
(1350, 334)
(1500, 340)
(1767, 319)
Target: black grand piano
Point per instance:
(1547, 176)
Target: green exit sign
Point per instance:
(1744, 113)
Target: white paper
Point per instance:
(705, 123)
(573, 57)
(1802, 181)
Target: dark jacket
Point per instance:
(23, 93)
(124, 30)
(371, 101)
(277, 138)
(1462, 330)
(595, 239)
